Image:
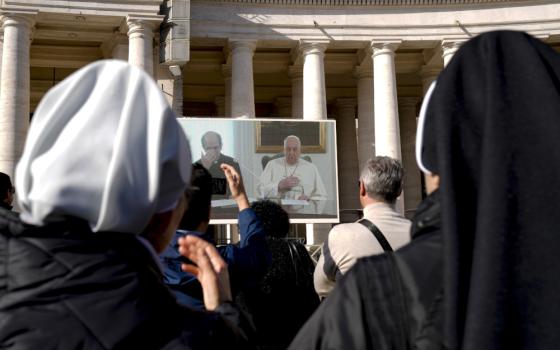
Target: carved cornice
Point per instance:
(369, 2)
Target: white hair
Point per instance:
(292, 137)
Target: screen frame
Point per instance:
(256, 121)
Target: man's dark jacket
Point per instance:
(388, 301)
(64, 287)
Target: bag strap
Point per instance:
(377, 233)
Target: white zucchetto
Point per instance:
(103, 146)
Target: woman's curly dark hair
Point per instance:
(275, 220)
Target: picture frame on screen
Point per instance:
(291, 162)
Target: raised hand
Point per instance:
(210, 270)
(236, 186)
(209, 158)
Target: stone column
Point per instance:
(226, 73)
(296, 75)
(387, 134)
(242, 88)
(15, 88)
(141, 43)
(412, 186)
(1, 51)
(177, 104)
(366, 120)
(314, 108)
(220, 103)
(314, 94)
(449, 49)
(348, 173)
(283, 107)
(428, 75)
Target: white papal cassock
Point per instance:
(310, 182)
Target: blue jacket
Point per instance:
(247, 261)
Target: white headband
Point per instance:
(420, 128)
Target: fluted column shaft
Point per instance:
(428, 75)
(226, 73)
(15, 88)
(296, 75)
(412, 181)
(141, 44)
(387, 134)
(314, 94)
(242, 88)
(283, 107)
(220, 103)
(347, 151)
(366, 115)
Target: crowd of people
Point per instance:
(110, 247)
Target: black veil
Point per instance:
(492, 133)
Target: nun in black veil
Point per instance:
(482, 269)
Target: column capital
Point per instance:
(317, 47)
(384, 47)
(295, 71)
(116, 39)
(362, 71)
(246, 44)
(451, 44)
(449, 48)
(18, 18)
(139, 26)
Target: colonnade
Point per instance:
(15, 75)
(376, 105)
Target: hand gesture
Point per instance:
(287, 183)
(211, 270)
(209, 158)
(235, 186)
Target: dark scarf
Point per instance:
(492, 133)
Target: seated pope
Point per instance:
(291, 177)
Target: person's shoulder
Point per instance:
(227, 159)
(343, 230)
(277, 161)
(308, 164)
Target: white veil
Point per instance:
(103, 146)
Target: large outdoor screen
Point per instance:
(291, 162)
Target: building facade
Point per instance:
(365, 63)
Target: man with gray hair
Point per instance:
(382, 229)
(291, 177)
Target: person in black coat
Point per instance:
(487, 278)
(285, 297)
(100, 185)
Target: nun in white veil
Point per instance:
(100, 186)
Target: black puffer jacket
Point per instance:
(64, 287)
(388, 301)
